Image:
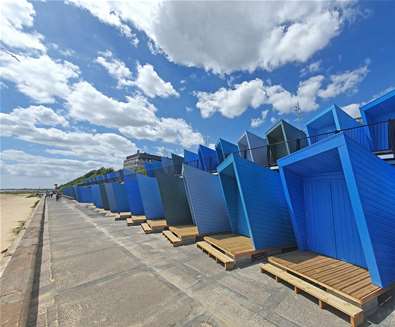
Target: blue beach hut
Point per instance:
(256, 203)
(208, 158)
(225, 148)
(192, 159)
(177, 162)
(253, 148)
(96, 196)
(133, 194)
(150, 196)
(174, 199)
(206, 201)
(342, 202)
(332, 120)
(283, 139)
(85, 194)
(151, 167)
(117, 197)
(379, 114)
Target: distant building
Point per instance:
(136, 161)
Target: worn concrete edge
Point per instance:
(16, 282)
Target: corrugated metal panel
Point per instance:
(225, 148)
(255, 197)
(133, 194)
(206, 201)
(208, 158)
(352, 192)
(174, 199)
(77, 193)
(150, 197)
(167, 165)
(85, 194)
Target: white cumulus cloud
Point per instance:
(228, 36)
(115, 67)
(42, 78)
(256, 122)
(151, 84)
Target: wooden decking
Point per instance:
(122, 216)
(344, 279)
(235, 246)
(154, 225)
(135, 220)
(181, 235)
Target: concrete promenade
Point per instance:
(98, 272)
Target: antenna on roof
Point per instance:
(298, 111)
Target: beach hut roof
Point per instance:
(341, 199)
(380, 109)
(224, 148)
(208, 158)
(253, 148)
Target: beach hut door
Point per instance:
(330, 224)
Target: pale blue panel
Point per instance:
(206, 201)
(133, 194)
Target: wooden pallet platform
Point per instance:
(355, 313)
(227, 261)
(347, 281)
(181, 235)
(154, 226)
(122, 215)
(135, 220)
(110, 214)
(99, 210)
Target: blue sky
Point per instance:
(85, 83)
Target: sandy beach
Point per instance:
(13, 208)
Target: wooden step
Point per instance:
(157, 225)
(228, 262)
(172, 238)
(135, 220)
(146, 228)
(354, 312)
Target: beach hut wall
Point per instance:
(104, 198)
(96, 196)
(174, 199)
(151, 167)
(206, 201)
(150, 197)
(342, 202)
(256, 203)
(133, 193)
(117, 197)
(177, 162)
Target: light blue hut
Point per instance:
(225, 148)
(332, 120)
(341, 199)
(253, 148)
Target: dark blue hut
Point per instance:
(342, 202)
(150, 197)
(174, 199)
(117, 197)
(253, 148)
(283, 139)
(133, 194)
(256, 204)
(225, 148)
(208, 158)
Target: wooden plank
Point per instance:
(339, 277)
(172, 238)
(354, 312)
(218, 255)
(233, 245)
(124, 215)
(183, 232)
(146, 228)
